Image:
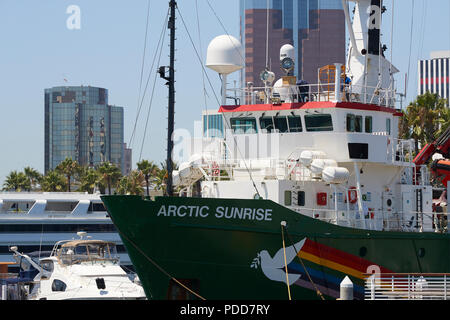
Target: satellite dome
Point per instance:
(287, 51)
(224, 55)
(281, 89)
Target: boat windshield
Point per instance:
(89, 252)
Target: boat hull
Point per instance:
(233, 249)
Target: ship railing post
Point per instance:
(445, 287)
(337, 82)
(336, 204)
(409, 287)
(372, 287)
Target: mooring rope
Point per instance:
(301, 261)
(159, 267)
(285, 261)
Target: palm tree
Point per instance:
(16, 181)
(136, 179)
(161, 177)
(89, 179)
(68, 167)
(110, 174)
(425, 118)
(33, 176)
(148, 169)
(53, 181)
(131, 184)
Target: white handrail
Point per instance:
(407, 286)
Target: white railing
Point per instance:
(412, 286)
(400, 150)
(314, 92)
(376, 219)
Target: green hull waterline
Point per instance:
(218, 245)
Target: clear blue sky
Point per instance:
(38, 51)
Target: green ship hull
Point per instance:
(233, 249)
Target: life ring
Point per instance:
(215, 169)
(352, 195)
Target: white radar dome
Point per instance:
(282, 90)
(287, 51)
(224, 55)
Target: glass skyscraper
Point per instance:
(80, 124)
(316, 29)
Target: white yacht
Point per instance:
(82, 269)
(35, 221)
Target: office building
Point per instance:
(127, 160)
(434, 74)
(316, 28)
(80, 124)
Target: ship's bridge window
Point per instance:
(89, 252)
(243, 125)
(266, 124)
(318, 122)
(295, 124)
(280, 124)
(354, 123)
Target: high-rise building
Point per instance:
(434, 74)
(316, 28)
(80, 124)
(127, 160)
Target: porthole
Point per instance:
(389, 202)
(362, 251)
(421, 252)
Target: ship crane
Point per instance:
(440, 167)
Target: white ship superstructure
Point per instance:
(328, 150)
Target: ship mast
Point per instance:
(171, 108)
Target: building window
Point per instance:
(318, 122)
(243, 125)
(287, 198)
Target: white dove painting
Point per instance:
(274, 268)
